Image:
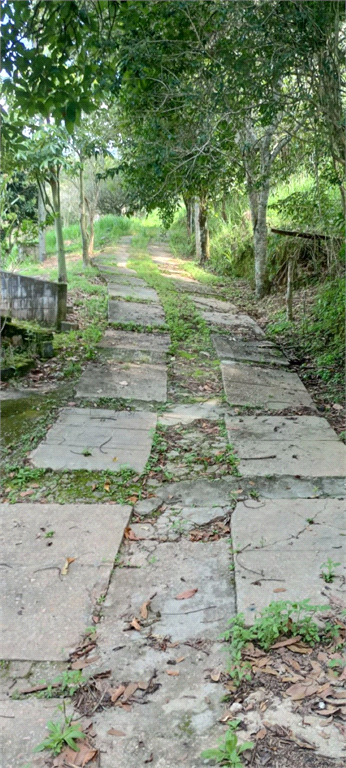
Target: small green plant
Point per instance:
(61, 734)
(329, 574)
(228, 751)
(49, 534)
(86, 452)
(280, 618)
(64, 684)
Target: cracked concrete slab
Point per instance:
(130, 280)
(276, 445)
(232, 321)
(168, 570)
(132, 346)
(111, 438)
(214, 304)
(277, 543)
(138, 293)
(126, 380)
(253, 386)
(40, 604)
(251, 351)
(196, 493)
(188, 285)
(131, 312)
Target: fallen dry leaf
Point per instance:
(66, 565)
(129, 691)
(300, 649)
(115, 693)
(300, 691)
(130, 535)
(144, 609)
(286, 642)
(172, 672)
(79, 759)
(267, 670)
(133, 499)
(81, 663)
(262, 662)
(135, 624)
(142, 685)
(26, 493)
(114, 732)
(181, 658)
(279, 589)
(227, 715)
(261, 734)
(187, 594)
(215, 675)
(107, 486)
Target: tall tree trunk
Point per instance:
(197, 231)
(83, 218)
(41, 226)
(55, 187)
(187, 203)
(204, 232)
(91, 234)
(260, 242)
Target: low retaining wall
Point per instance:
(30, 298)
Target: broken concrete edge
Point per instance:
(139, 328)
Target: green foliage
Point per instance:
(64, 684)
(228, 751)
(60, 735)
(328, 570)
(279, 618)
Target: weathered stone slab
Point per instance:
(44, 612)
(112, 438)
(248, 385)
(190, 285)
(131, 381)
(231, 321)
(281, 446)
(284, 545)
(168, 570)
(129, 280)
(253, 351)
(133, 292)
(135, 347)
(138, 314)
(290, 428)
(214, 304)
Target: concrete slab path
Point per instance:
(162, 609)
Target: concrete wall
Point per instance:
(29, 298)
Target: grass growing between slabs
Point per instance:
(194, 371)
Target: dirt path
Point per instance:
(242, 497)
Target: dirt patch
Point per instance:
(198, 449)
